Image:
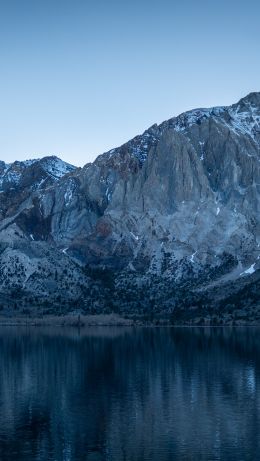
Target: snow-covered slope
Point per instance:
(12, 175)
(242, 118)
(56, 167)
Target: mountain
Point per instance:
(165, 225)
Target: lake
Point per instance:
(115, 393)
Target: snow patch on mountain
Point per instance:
(138, 147)
(12, 174)
(141, 148)
(241, 118)
(250, 270)
(196, 116)
(245, 120)
(56, 167)
(70, 188)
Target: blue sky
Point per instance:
(80, 77)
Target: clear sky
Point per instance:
(78, 77)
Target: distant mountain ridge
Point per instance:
(12, 175)
(167, 223)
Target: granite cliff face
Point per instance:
(172, 216)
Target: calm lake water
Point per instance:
(129, 394)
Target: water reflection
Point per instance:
(129, 394)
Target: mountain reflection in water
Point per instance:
(129, 394)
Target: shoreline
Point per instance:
(68, 320)
(106, 320)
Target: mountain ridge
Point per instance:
(174, 207)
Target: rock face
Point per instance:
(174, 209)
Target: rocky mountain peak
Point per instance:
(252, 99)
(56, 167)
(34, 173)
(180, 202)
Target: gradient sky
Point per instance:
(80, 77)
